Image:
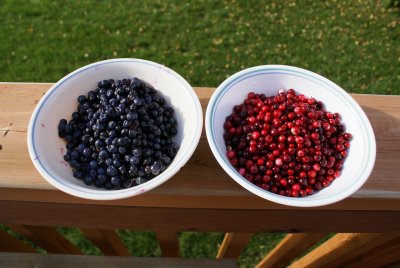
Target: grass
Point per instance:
(354, 43)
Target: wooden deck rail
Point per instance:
(201, 197)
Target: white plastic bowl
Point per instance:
(46, 149)
(269, 79)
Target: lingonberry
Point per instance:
(287, 144)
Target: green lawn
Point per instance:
(354, 43)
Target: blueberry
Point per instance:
(69, 139)
(61, 134)
(132, 170)
(109, 121)
(112, 149)
(85, 138)
(112, 171)
(88, 180)
(109, 161)
(99, 144)
(147, 170)
(116, 181)
(67, 157)
(93, 173)
(128, 183)
(137, 152)
(112, 134)
(98, 183)
(123, 141)
(136, 142)
(147, 161)
(103, 135)
(137, 102)
(110, 93)
(122, 150)
(68, 128)
(74, 154)
(157, 131)
(103, 118)
(165, 159)
(101, 171)
(78, 174)
(134, 160)
(122, 170)
(132, 133)
(108, 186)
(109, 141)
(86, 152)
(75, 115)
(104, 84)
(140, 180)
(61, 127)
(93, 164)
(103, 154)
(124, 132)
(132, 116)
(117, 163)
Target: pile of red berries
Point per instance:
(287, 144)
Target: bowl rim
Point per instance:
(285, 69)
(101, 194)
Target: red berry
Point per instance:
(279, 162)
(231, 154)
(255, 135)
(287, 144)
(295, 130)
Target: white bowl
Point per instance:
(269, 79)
(46, 149)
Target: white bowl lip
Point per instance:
(290, 201)
(99, 194)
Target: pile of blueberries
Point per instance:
(121, 135)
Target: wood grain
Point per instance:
(9, 243)
(341, 245)
(384, 255)
(361, 256)
(233, 245)
(169, 243)
(107, 241)
(26, 260)
(207, 220)
(291, 246)
(203, 182)
(47, 238)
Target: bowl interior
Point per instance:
(47, 149)
(268, 80)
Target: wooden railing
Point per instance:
(201, 197)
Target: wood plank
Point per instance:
(46, 237)
(385, 255)
(26, 260)
(197, 199)
(107, 241)
(233, 245)
(19, 100)
(361, 257)
(169, 243)
(334, 249)
(223, 220)
(9, 243)
(291, 246)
